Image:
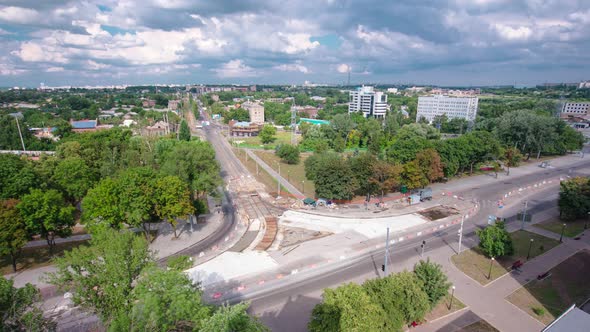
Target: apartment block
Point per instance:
(453, 107)
(365, 99)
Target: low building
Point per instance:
(46, 132)
(173, 105)
(310, 111)
(313, 121)
(148, 103)
(243, 129)
(256, 112)
(318, 98)
(215, 98)
(159, 128)
(572, 320)
(84, 125)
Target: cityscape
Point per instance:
(292, 166)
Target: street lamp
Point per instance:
(423, 245)
(523, 215)
(528, 255)
(452, 296)
(490, 272)
(303, 187)
(561, 236)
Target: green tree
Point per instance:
(18, 311)
(163, 301)
(194, 162)
(101, 276)
(172, 200)
(412, 176)
(180, 263)
(574, 198)
(339, 144)
(434, 282)
(101, 206)
(345, 309)
(401, 297)
(17, 176)
(385, 176)
(74, 178)
(184, 133)
(233, 318)
(334, 179)
(268, 134)
(46, 213)
(495, 241)
(362, 168)
(405, 149)
(288, 153)
(13, 232)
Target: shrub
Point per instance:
(538, 311)
(288, 153)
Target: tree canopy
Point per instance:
(495, 241)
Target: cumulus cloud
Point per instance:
(134, 41)
(234, 69)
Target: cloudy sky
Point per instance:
(455, 42)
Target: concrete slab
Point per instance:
(230, 265)
(370, 228)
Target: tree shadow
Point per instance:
(289, 317)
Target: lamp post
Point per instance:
(528, 255)
(562, 230)
(303, 187)
(288, 176)
(423, 245)
(279, 181)
(490, 272)
(452, 296)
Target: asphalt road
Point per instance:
(292, 300)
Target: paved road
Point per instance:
(292, 302)
(275, 175)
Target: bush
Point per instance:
(434, 281)
(180, 263)
(495, 241)
(288, 153)
(538, 311)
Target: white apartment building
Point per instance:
(371, 103)
(256, 112)
(576, 108)
(453, 107)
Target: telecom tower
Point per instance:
(293, 123)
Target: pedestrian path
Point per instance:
(294, 191)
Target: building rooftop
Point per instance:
(573, 320)
(314, 121)
(84, 124)
(242, 124)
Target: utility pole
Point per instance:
(524, 214)
(20, 133)
(279, 182)
(423, 245)
(461, 234)
(386, 252)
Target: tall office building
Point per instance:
(371, 103)
(454, 107)
(576, 108)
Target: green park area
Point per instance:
(282, 137)
(35, 257)
(566, 284)
(295, 174)
(572, 228)
(477, 266)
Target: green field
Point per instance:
(550, 297)
(572, 228)
(295, 174)
(283, 137)
(474, 264)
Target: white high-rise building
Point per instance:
(453, 107)
(371, 103)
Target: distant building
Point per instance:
(159, 128)
(318, 98)
(275, 100)
(84, 125)
(148, 103)
(313, 121)
(312, 112)
(392, 90)
(256, 112)
(576, 108)
(453, 107)
(584, 85)
(173, 105)
(243, 129)
(215, 98)
(253, 88)
(371, 103)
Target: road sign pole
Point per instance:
(386, 251)
(461, 234)
(524, 214)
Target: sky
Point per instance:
(455, 42)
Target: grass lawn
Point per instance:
(479, 326)
(549, 298)
(293, 173)
(31, 258)
(572, 228)
(263, 177)
(283, 137)
(442, 308)
(473, 263)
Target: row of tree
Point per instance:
(382, 304)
